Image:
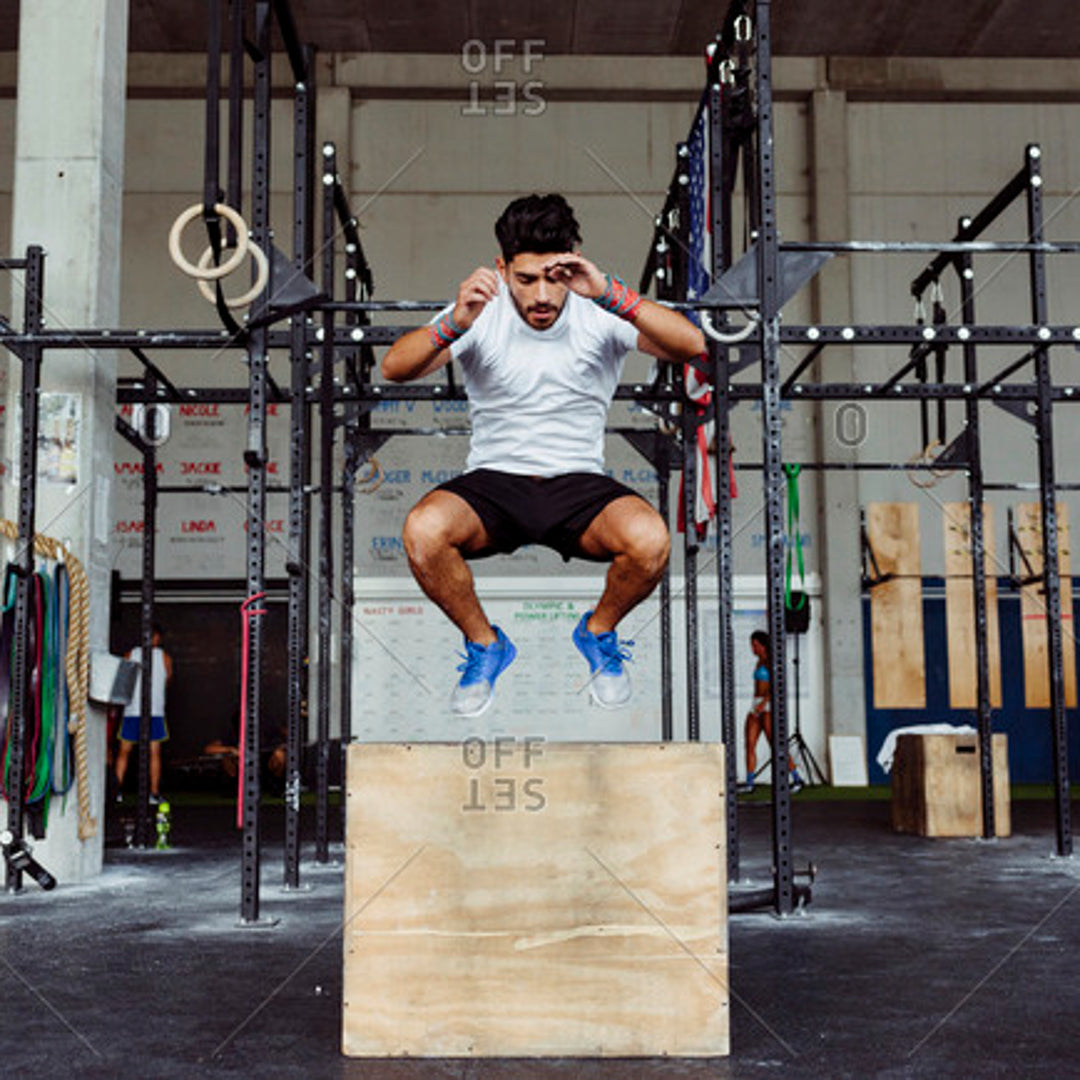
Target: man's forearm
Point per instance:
(670, 331)
(413, 356)
(672, 334)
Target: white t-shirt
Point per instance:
(157, 683)
(538, 399)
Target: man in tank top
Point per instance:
(161, 670)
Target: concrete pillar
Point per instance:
(68, 187)
(839, 434)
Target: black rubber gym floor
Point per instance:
(917, 958)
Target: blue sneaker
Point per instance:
(475, 692)
(609, 685)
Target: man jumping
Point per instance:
(540, 340)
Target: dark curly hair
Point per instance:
(539, 224)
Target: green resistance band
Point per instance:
(41, 789)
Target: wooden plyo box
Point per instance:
(523, 898)
(936, 788)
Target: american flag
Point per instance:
(698, 280)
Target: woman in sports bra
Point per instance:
(759, 718)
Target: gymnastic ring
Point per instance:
(208, 273)
(727, 339)
(941, 474)
(924, 458)
(261, 277)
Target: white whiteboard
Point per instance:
(407, 650)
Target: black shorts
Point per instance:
(549, 510)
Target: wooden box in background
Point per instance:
(516, 898)
(936, 789)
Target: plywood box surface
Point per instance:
(936, 788)
(896, 615)
(1033, 613)
(960, 607)
(535, 899)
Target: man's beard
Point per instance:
(549, 311)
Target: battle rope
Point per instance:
(72, 690)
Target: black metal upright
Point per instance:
(212, 112)
(255, 456)
(1048, 499)
(768, 243)
(663, 499)
(149, 435)
(720, 207)
(299, 550)
(353, 458)
(23, 562)
(976, 497)
(688, 480)
(326, 519)
(236, 103)
(348, 569)
(690, 567)
(661, 254)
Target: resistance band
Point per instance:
(63, 775)
(47, 753)
(7, 636)
(55, 736)
(37, 767)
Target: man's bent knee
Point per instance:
(436, 524)
(424, 533)
(649, 544)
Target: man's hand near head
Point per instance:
(661, 331)
(577, 274)
(426, 349)
(474, 294)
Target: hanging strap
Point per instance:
(32, 726)
(794, 545)
(39, 779)
(38, 678)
